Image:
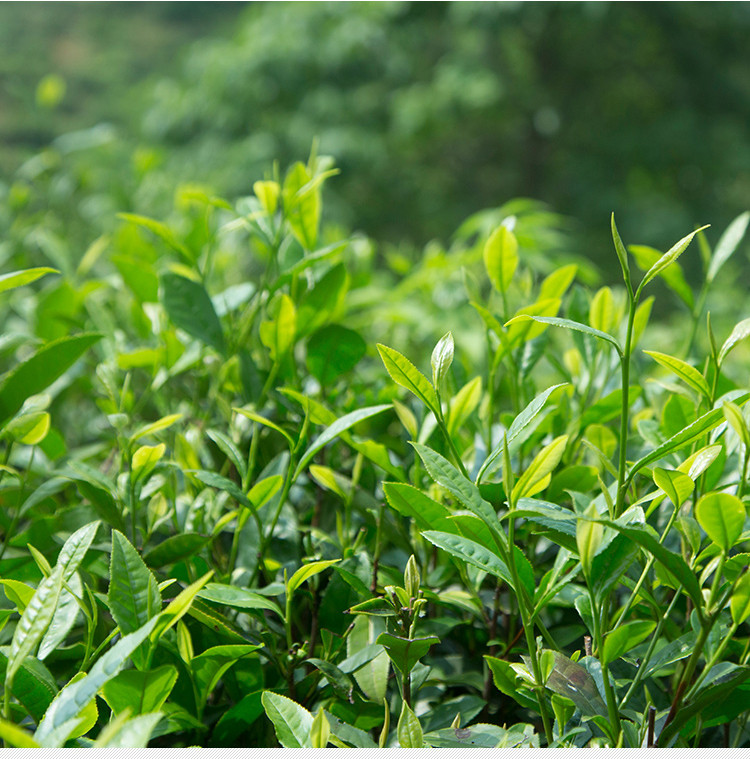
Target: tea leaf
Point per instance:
(15, 279)
(76, 696)
(188, 306)
(40, 371)
(501, 258)
(728, 243)
(622, 253)
(668, 258)
(406, 652)
(34, 622)
(408, 730)
(291, 721)
(569, 324)
(722, 516)
(140, 692)
(266, 423)
(740, 603)
(473, 553)
(238, 598)
(303, 574)
(625, 637)
(520, 426)
(675, 484)
(740, 332)
(339, 426)
(442, 358)
(463, 404)
(333, 351)
(544, 462)
(691, 376)
(404, 373)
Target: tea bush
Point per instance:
(241, 507)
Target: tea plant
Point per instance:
(237, 514)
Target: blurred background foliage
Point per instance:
(433, 111)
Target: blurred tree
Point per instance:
(434, 110)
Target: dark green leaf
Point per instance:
(406, 652)
(187, 304)
(40, 371)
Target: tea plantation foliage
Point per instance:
(250, 496)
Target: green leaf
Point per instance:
(133, 596)
(179, 606)
(301, 196)
(15, 736)
(408, 730)
(622, 253)
(406, 652)
(668, 258)
(684, 437)
(34, 622)
(589, 535)
(75, 548)
(376, 607)
(461, 488)
(18, 593)
(568, 324)
(161, 230)
(404, 373)
(74, 697)
(230, 450)
(646, 537)
(471, 552)
(190, 308)
(722, 516)
(501, 258)
(673, 276)
(602, 311)
(463, 404)
(34, 686)
(371, 670)
(320, 730)
(15, 279)
(442, 358)
(162, 424)
(303, 574)
(410, 502)
(677, 485)
(733, 414)
(133, 733)
(38, 372)
(572, 680)
(291, 721)
(688, 374)
(146, 458)
(727, 244)
(520, 426)
(175, 548)
(140, 692)
(333, 351)
(542, 465)
(278, 333)
(238, 598)
(266, 423)
(740, 603)
(623, 638)
(64, 619)
(610, 563)
(740, 332)
(211, 665)
(339, 426)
